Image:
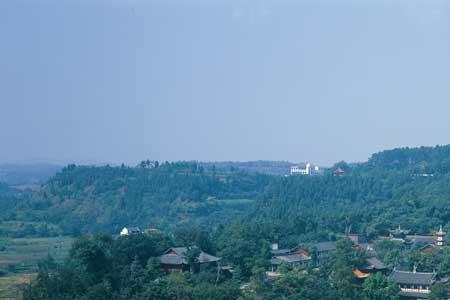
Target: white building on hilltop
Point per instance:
(308, 170)
(130, 231)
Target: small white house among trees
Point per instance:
(130, 230)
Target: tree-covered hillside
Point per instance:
(84, 199)
(312, 207)
(236, 215)
(400, 186)
(423, 160)
(261, 166)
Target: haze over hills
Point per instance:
(27, 173)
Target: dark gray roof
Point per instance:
(178, 250)
(179, 257)
(404, 277)
(173, 260)
(422, 238)
(276, 261)
(293, 258)
(325, 246)
(374, 263)
(281, 251)
(206, 258)
(399, 231)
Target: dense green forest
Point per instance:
(82, 199)
(100, 267)
(235, 214)
(127, 268)
(401, 186)
(261, 166)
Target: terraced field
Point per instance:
(19, 258)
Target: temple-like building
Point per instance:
(175, 259)
(428, 242)
(414, 285)
(373, 265)
(296, 257)
(398, 234)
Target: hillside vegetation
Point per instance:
(83, 199)
(401, 186)
(236, 215)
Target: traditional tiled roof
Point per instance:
(173, 260)
(325, 246)
(293, 255)
(404, 277)
(399, 232)
(294, 258)
(430, 239)
(281, 251)
(177, 256)
(374, 263)
(359, 274)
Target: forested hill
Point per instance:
(84, 199)
(405, 186)
(260, 166)
(313, 208)
(401, 186)
(421, 160)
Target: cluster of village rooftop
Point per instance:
(412, 284)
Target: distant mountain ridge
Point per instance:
(32, 173)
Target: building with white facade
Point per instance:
(308, 170)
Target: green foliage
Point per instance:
(439, 292)
(104, 199)
(379, 287)
(389, 252)
(187, 200)
(99, 268)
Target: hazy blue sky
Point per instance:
(120, 81)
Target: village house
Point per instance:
(176, 259)
(415, 285)
(360, 242)
(130, 231)
(295, 257)
(398, 234)
(324, 250)
(372, 265)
